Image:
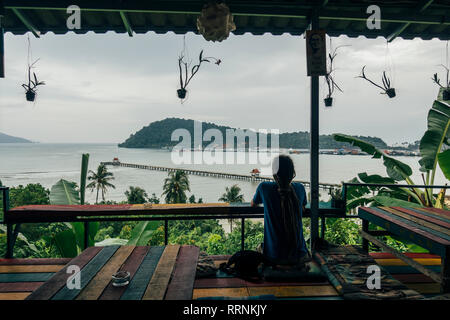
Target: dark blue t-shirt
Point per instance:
(275, 246)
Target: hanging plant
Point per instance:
(329, 79)
(215, 22)
(446, 86)
(386, 83)
(31, 86)
(186, 75)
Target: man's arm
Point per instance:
(257, 197)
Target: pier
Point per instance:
(223, 175)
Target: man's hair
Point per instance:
(283, 173)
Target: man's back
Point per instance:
(276, 245)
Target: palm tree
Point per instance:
(136, 195)
(100, 181)
(175, 187)
(232, 195)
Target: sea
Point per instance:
(47, 163)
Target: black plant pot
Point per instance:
(31, 95)
(446, 95)
(338, 204)
(328, 102)
(390, 92)
(181, 93)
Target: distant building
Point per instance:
(255, 173)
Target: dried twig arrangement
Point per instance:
(385, 80)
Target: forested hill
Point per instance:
(4, 138)
(158, 135)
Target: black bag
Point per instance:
(244, 264)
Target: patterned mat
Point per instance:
(347, 269)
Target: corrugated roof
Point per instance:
(407, 19)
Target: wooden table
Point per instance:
(426, 227)
(157, 273)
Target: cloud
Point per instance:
(102, 88)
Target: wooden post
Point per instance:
(314, 147)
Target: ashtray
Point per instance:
(120, 279)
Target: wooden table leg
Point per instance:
(365, 228)
(445, 271)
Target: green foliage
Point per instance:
(136, 195)
(232, 195)
(31, 194)
(175, 187)
(153, 199)
(342, 231)
(192, 199)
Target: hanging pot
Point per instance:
(181, 93)
(328, 102)
(215, 22)
(30, 95)
(390, 92)
(446, 94)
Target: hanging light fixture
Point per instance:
(215, 22)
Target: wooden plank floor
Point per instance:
(407, 275)
(20, 277)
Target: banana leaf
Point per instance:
(435, 137)
(354, 203)
(64, 192)
(66, 243)
(395, 169)
(142, 233)
(375, 178)
(21, 237)
(444, 163)
(392, 202)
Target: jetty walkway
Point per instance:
(212, 174)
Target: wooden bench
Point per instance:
(426, 227)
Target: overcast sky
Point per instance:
(102, 88)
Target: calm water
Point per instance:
(47, 163)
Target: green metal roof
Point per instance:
(406, 19)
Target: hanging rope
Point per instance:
(389, 65)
